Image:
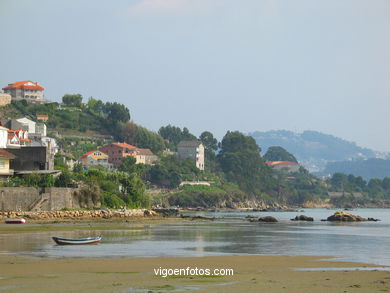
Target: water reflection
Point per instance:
(230, 235)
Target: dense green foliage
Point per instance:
(242, 164)
(174, 135)
(112, 188)
(378, 189)
(72, 100)
(277, 153)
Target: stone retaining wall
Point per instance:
(79, 214)
(30, 198)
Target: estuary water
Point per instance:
(229, 234)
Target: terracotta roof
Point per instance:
(24, 85)
(7, 155)
(145, 152)
(189, 143)
(124, 145)
(274, 163)
(91, 152)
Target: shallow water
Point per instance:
(230, 234)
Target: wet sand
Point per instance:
(251, 274)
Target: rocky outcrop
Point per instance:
(268, 219)
(342, 216)
(80, 214)
(303, 218)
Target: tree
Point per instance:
(171, 133)
(241, 162)
(74, 100)
(129, 131)
(175, 135)
(277, 153)
(95, 105)
(127, 164)
(147, 139)
(134, 189)
(116, 112)
(209, 142)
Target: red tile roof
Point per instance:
(7, 155)
(274, 163)
(124, 145)
(24, 85)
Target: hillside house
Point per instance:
(5, 158)
(116, 151)
(289, 167)
(192, 150)
(145, 156)
(96, 158)
(3, 137)
(27, 90)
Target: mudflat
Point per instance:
(251, 274)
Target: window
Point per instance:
(2, 164)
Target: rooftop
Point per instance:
(124, 145)
(7, 155)
(26, 85)
(91, 152)
(189, 143)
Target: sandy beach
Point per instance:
(251, 274)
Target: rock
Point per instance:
(342, 216)
(303, 218)
(268, 219)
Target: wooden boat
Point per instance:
(15, 221)
(79, 241)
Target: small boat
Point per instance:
(15, 221)
(72, 241)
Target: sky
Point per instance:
(213, 65)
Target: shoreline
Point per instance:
(255, 273)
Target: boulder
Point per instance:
(268, 219)
(303, 218)
(342, 216)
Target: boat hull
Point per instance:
(81, 241)
(15, 221)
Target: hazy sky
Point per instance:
(212, 65)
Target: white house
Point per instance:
(192, 150)
(23, 123)
(3, 137)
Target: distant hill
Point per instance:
(313, 149)
(368, 169)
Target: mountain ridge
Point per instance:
(313, 149)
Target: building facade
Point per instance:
(5, 158)
(24, 124)
(145, 156)
(192, 150)
(25, 90)
(116, 151)
(96, 158)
